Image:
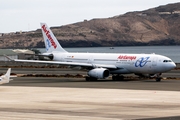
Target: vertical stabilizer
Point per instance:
(51, 43)
(5, 78)
(7, 75)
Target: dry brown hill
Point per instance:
(156, 26)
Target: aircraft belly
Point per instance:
(120, 71)
(144, 70)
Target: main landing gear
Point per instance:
(114, 78)
(91, 79)
(117, 77)
(121, 78)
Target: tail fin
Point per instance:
(8, 72)
(50, 40)
(6, 78)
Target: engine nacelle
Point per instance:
(99, 73)
(46, 56)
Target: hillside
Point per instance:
(156, 26)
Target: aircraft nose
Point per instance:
(169, 66)
(173, 65)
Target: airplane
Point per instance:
(102, 65)
(6, 78)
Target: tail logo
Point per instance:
(48, 45)
(49, 36)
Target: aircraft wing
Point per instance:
(68, 63)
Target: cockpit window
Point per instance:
(167, 61)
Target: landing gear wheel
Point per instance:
(87, 79)
(114, 78)
(118, 78)
(158, 79)
(91, 79)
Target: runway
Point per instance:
(74, 98)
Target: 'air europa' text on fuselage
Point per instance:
(49, 36)
(126, 57)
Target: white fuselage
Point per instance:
(126, 63)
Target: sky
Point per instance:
(26, 15)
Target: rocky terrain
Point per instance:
(155, 26)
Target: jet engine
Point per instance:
(45, 56)
(99, 73)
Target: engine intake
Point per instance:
(99, 73)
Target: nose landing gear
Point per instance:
(158, 77)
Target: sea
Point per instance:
(172, 52)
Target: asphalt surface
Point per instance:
(131, 82)
(142, 84)
(156, 100)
